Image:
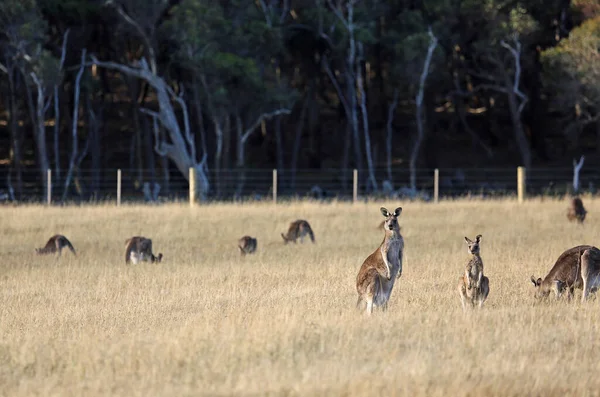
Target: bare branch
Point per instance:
(63, 53)
(338, 13)
(267, 12)
(264, 116)
(285, 11)
(158, 144)
(189, 137)
(3, 68)
(335, 84)
(432, 45)
(140, 31)
(516, 53)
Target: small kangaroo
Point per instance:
(473, 286)
(138, 249)
(576, 210)
(379, 271)
(55, 245)
(297, 230)
(565, 274)
(247, 245)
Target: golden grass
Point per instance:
(282, 321)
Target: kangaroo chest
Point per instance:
(392, 251)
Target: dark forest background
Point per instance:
(227, 87)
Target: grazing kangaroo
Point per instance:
(473, 286)
(297, 230)
(379, 271)
(138, 249)
(247, 245)
(565, 274)
(576, 210)
(55, 245)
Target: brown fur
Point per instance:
(55, 245)
(379, 271)
(576, 211)
(139, 249)
(590, 271)
(565, 274)
(473, 286)
(297, 230)
(247, 245)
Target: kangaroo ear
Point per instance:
(478, 238)
(533, 281)
(398, 211)
(468, 240)
(384, 211)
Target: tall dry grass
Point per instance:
(282, 321)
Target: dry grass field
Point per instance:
(282, 321)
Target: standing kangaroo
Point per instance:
(576, 210)
(297, 230)
(379, 271)
(473, 286)
(247, 245)
(138, 249)
(55, 245)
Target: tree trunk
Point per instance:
(74, 136)
(39, 130)
(365, 118)
(56, 134)
(96, 123)
(389, 141)
(414, 155)
(279, 144)
(241, 156)
(297, 141)
(15, 133)
(519, 131)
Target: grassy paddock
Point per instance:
(282, 321)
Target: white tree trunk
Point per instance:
(419, 113)
(389, 142)
(577, 165)
(177, 150)
(365, 117)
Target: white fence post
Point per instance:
(119, 187)
(436, 185)
(49, 192)
(355, 186)
(521, 184)
(275, 186)
(192, 178)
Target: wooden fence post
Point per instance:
(192, 178)
(119, 187)
(49, 192)
(521, 184)
(436, 185)
(274, 186)
(355, 186)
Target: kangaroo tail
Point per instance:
(70, 247)
(311, 234)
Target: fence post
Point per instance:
(192, 186)
(274, 186)
(436, 185)
(521, 184)
(49, 192)
(119, 187)
(355, 186)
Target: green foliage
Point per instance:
(571, 70)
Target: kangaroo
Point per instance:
(379, 271)
(297, 230)
(565, 274)
(576, 210)
(473, 286)
(247, 245)
(590, 272)
(55, 245)
(138, 249)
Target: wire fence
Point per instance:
(139, 185)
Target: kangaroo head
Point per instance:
(539, 291)
(473, 246)
(159, 257)
(391, 218)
